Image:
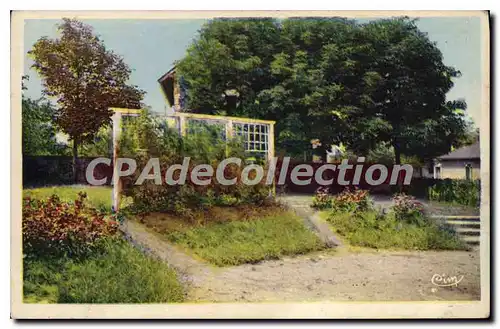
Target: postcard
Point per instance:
(239, 164)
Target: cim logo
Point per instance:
(446, 281)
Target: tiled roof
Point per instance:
(466, 152)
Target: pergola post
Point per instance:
(116, 119)
(182, 126)
(270, 154)
(270, 146)
(229, 134)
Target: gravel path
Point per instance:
(380, 276)
(339, 274)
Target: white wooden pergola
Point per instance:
(256, 135)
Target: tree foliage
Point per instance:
(85, 78)
(410, 94)
(328, 78)
(38, 131)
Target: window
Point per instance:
(468, 171)
(437, 172)
(254, 136)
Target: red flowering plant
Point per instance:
(53, 227)
(352, 200)
(346, 201)
(407, 208)
(322, 198)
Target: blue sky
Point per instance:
(151, 46)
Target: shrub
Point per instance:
(464, 192)
(347, 201)
(322, 198)
(407, 208)
(54, 227)
(376, 230)
(189, 197)
(351, 201)
(151, 139)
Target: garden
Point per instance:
(404, 226)
(222, 224)
(457, 193)
(74, 251)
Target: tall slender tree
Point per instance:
(85, 78)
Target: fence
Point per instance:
(257, 135)
(58, 170)
(418, 186)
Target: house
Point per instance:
(172, 90)
(462, 163)
(175, 92)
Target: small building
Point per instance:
(172, 89)
(462, 163)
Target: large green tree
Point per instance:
(278, 71)
(411, 87)
(229, 65)
(328, 78)
(85, 78)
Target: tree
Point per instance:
(470, 136)
(39, 134)
(328, 78)
(433, 137)
(85, 78)
(100, 146)
(410, 93)
(262, 68)
(230, 59)
(38, 131)
(323, 78)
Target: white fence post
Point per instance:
(229, 134)
(117, 120)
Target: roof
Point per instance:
(166, 82)
(467, 152)
(168, 74)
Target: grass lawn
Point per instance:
(98, 196)
(370, 229)
(451, 209)
(249, 241)
(222, 235)
(121, 275)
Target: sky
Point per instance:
(151, 46)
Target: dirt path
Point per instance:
(330, 275)
(351, 276)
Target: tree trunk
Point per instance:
(397, 158)
(75, 159)
(397, 152)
